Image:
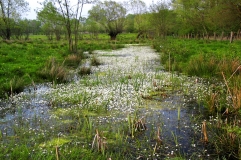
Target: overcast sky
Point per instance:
(33, 5)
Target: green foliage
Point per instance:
(111, 15)
(9, 14)
(203, 17)
(162, 20)
(52, 21)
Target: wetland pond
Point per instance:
(141, 111)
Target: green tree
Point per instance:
(35, 27)
(52, 20)
(111, 15)
(162, 19)
(93, 27)
(130, 22)
(198, 16)
(229, 15)
(21, 28)
(139, 9)
(10, 11)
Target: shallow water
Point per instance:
(124, 84)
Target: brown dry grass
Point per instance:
(54, 71)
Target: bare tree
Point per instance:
(71, 12)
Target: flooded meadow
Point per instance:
(129, 107)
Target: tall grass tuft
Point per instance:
(201, 65)
(236, 91)
(16, 85)
(84, 70)
(212, 102)
(100, 142)
(54, 71)
(73, 60)
(95, 61)
(204, 131)
(135, 125)
(226, 138)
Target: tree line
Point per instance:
(63, 19)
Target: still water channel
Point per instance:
(129, 81)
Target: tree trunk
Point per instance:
(113, 35)
(222, 36)
(231, 37)
(58, 35)
(70, 38)
(8, 33)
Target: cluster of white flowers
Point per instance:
(124, 77)
(121, 84)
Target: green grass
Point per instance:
(199, 57)
(24, 59)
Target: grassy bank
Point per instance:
(218, 62)
(204, 58)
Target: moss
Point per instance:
(55, 142)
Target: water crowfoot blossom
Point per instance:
(128, 83)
